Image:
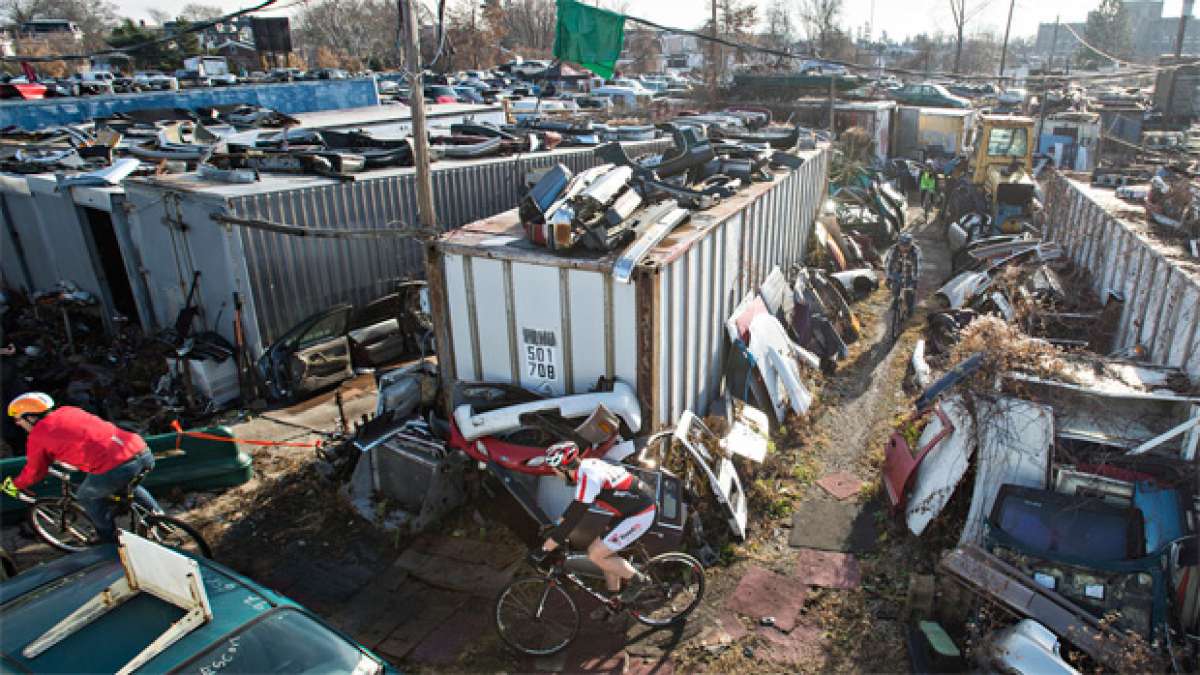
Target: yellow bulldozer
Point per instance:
(1002, 168)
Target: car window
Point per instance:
(1008, 142)
(324, 330)
(282, 641)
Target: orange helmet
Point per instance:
(33, 403)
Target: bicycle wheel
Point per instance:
(677, 586)
(897, 320)
(62, 523)
(536, 616)
(174, 533)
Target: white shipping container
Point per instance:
(508, 311)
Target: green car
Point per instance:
(929, 95)
(252, 629)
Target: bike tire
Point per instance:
(174, 533)
(667, 571)
(517, 620)
(62, 523)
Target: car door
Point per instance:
(321, 354)
(375, 335)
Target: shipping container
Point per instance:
(876, 117)
(507, 311)
(1161, 312)
(918, 130)
(176, 225)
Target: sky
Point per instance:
(900, 18)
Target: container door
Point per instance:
(322, 354)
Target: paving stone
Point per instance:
(827, 569)
(804, 646)
(761, 593)
(835, 526)
(443, 647)
(476, 579)
(841, 485)
(421, 614)
(641, 666)
(467, 550)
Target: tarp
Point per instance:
(589, 36)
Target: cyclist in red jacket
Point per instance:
(615, 490)
(109, 455)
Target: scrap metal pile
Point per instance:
(1064, 472)
(62, 347)
(606, 207)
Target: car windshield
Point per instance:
(1008, 142)
(283, 641)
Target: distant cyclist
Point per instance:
(928, 186)
(109, 455)
(614, 489)
(905, 254)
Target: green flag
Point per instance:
(589, 36)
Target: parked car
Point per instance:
(91, 83)
(252, 629)
(285, 74)
(325, 348)
(1011, 96)
(223, 80)
(469, 95)
(441, 93)
(929, 94)
(329, 74)
(153, 79)
(192, 78)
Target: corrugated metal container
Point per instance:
(1162, 297)
(874, 116)
(284, 278)
(506, 311)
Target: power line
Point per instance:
(193, 28)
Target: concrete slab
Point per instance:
(827, 569)
(467, 550)
(762, 593)
(842, 485)
(835, 526)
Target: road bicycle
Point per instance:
(63, 523)
(904, 300)
(536, 615)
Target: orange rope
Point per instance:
(213, 437)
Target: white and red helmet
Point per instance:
(562, 454)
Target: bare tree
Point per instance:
(821, 18)
(362, 32)
(94, 17)
(194, 11)
(962, 12)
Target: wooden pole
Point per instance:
(715, 51)
(1004, 49)
(411, 46)
(1037, 141)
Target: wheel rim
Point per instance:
(536, 617)
(67, 528)
(173, 536)
(678, 585)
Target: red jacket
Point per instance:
(78, 438)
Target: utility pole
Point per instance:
(1004, 49)
(714, 52)
(1183, 17)
(1037, 142)
(831, 81)
(410, 43)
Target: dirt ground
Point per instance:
(424, 603)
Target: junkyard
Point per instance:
(552, 336)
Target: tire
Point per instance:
(520, 625)
(176, 534)
(62, 523)
(676, 591)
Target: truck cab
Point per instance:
(1003, 167)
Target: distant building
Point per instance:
(654, 51)
(1150, 33)
(237, 29)
(44, 28)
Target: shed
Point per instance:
(502, 305)
(919, 130)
